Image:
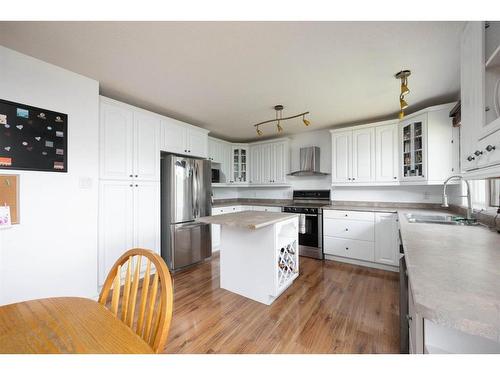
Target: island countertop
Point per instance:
(247, 219)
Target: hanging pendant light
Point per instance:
(403, 76)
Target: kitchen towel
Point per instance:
(302, 224)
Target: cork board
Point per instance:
(9, 194)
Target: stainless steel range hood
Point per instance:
(309, 163)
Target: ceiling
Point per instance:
(226, 76)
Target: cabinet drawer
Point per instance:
(362, 250)
(350, 215)
(352, 229)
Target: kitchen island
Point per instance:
(259, 257)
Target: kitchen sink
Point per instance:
(440, 219)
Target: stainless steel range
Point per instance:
(309, 203)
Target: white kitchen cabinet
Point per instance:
(413, 148)
(266, 208)
(197, 142)
(386, 153)
(269, 162)
(341, 156)
(129, 217)
(386, 238)
(427, 146)
(363, 155)
(239, 164)
(146, 147)
(129, 142)
(361, 236)
(181, 138)
(280, 162)
(116, 141)
(480, 99)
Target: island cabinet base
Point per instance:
(259, 263)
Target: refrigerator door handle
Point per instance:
(196, 190)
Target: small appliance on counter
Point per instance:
(309, 203)
(215, 176)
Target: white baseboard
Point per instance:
(357, 262)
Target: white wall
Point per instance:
(53, 251)
(322, 138)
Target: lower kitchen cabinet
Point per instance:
(361, 236)
(386, 238)
(129, 217)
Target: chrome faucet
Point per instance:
(469, 199)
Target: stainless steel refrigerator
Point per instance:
(186, 194)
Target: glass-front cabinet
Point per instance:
(239, 164)
(413, 149)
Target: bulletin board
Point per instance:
(32, 138)
(9, 195)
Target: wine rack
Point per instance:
(287, 264)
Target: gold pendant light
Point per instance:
(279, 118)
(403, 76)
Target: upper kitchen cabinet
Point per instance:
(364, 154)
(480, 99)
(180, 138)
(239, 164)
(386, 152)
(219, 153)
(269, 163)
(129, 146)
(427, 146)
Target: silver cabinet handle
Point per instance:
(409, 318)
(470, 158)
(490, 148)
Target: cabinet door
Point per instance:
(266, 162)
(226, 163)
(146, 147)
(146, 218)
(386, 154)
(255, 164)
(471, 91)
(213, 150)
(115, 223)
(173, 136)
(386, 239)
(341, 156)
(197, 143)
(414, 148)
(279, 153)
(116, 141)
(363, 155)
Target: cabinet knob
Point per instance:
(131, 185)
(395, 177)
(470, 158)
(409, 318)
(347, 230)
(136, 175)
(131, 175)
(477, 153)
(136, 185)
(347, 248)
(490, 148)
(353, 178)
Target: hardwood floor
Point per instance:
(331, 308)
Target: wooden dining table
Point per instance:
(65, 325)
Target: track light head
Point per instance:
(305, 121)
(402, 103)
(279, 127)
(259, 132)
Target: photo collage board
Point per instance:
(32, 138)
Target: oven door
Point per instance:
(312, 235)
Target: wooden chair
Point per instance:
(153, 308)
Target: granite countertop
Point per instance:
(252, 202)
(454, 273)
(247, 219)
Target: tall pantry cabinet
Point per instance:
(129, 184)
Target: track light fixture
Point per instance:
(279, 118)
(403, 76)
